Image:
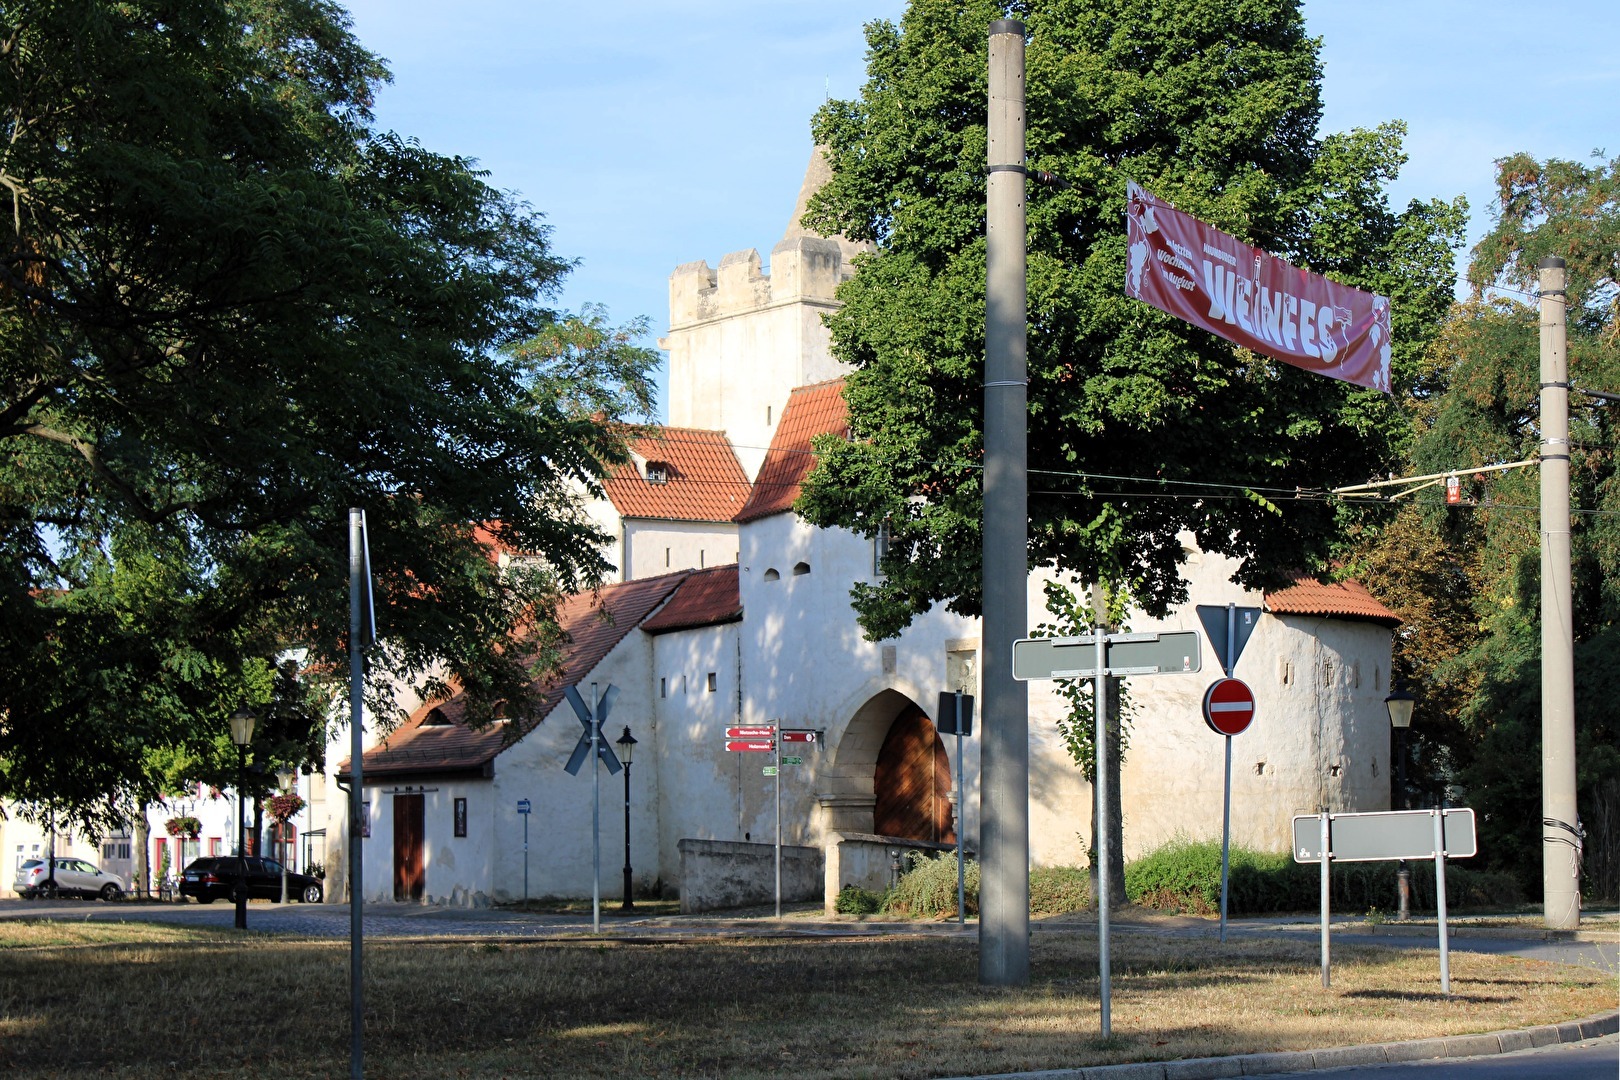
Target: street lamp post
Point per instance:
(242, 721)
(284, 780)
(1400, 704)
(627, 745)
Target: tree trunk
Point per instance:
(141, 835)
(258, 826)
(1116, 815)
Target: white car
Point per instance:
(74, 877)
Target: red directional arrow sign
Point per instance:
(1229, 707)
(798, 736)
(752, 731)
(750, 746)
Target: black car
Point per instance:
(216, 878)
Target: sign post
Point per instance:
(1386, 836)
(776, 749)
(592, 745)
(768, 739)
(1109, 654)
(523, 809)
(959, 707)
(1228, 629)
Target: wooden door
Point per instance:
(408, 876)
(913, 782)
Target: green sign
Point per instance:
(770, 770)
(793, 761)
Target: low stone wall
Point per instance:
(868, 860)
(727, 873)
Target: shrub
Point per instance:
(928, 887)
(1058, 890)
(854, 900)
(1185, 875)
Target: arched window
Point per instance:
(772, 575)
(801, 568)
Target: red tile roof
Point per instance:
(706, 598)
(705, 481)
(811, 410)
(418, 747)
(1342, 600)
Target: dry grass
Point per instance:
(185, 1003)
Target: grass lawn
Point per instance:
(138, 1001)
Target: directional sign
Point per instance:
(1228, 706)
(750, 746)
(1244, 620)
(799, 736)
(523, 806)
(1126, 654)
(793, 761)
(945, 718)
(769, 770)
(582, 749)
(1385, 835)
(754, 731)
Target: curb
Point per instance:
(1456, 1046)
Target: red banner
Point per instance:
(1218, 283)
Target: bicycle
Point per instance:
(168, 888)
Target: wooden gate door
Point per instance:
(913, 782)
(408, 876)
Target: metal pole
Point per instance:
(241, 842)
(1099, 709)
(525, 862)
(629, 902)
(1560, 836)
(776, 742)
(596, 812)
(961, 865)
(1226, 834)
(1403, 873)
(356, 805)
(282, 826)
(1440, 898)
(1004, 752)
(1327, 978)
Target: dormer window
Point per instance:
(657, 472)
(436, 718)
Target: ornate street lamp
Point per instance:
(1400, 704)
(284, 780)
(242, 721)
(627, 747)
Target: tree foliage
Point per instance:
(1211, 107)
(1467, 579)
(230, 309)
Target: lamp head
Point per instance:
(285, 778)
(626, 744)
(1400, 704)
(242, 721)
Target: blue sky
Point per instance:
(657, 132)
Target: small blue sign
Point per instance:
(523, 806)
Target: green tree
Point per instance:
(231, 308)
(1213, 108)
(1467, 578)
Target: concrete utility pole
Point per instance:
(1560, 838)
(1004, 775)
(357, 685)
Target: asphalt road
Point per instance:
(1597, 1059)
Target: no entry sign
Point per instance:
(1229, 707)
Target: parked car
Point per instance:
(74, 877)
(216, 878)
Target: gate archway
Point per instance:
(912, 782)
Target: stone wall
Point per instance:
(719, 874)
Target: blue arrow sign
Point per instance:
(524, 806)
(582, 749)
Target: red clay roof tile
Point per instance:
(706, 598)
(1341, 600)
(704, 481)
(812, 410)
(438, 747)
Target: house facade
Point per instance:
(731, 611)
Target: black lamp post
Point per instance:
(285, 778)
(242, 721)
(627, 746)
(1400, 704)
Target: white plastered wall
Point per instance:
(652, 547)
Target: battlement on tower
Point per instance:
(803, 268)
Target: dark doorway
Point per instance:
(913, 782)
(408, 847)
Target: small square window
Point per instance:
(663, 687)
(714, 683)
